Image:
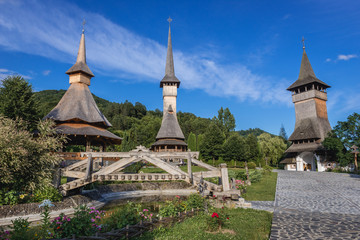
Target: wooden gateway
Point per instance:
(170, 137)
(312, 124)
(77, 115)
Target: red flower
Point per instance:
(227, 218)
(215, 215)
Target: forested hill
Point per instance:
(134, 122)
(255, 131)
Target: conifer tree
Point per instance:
(17, 100)
(191, 142)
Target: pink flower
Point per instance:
(92, 220)
(145, 210)
(177, 196)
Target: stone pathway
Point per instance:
(263, 205)
(316, 205)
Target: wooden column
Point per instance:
(224, 177)
(89, 167)
(88, 145)
(189, 170)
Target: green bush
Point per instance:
(240, 164)
(172, 208)
(232, 173)
(255, 176)
(84, 223)
(267, 169)
(129, 215)
(251, 165)
(20, 229)
(47, 192)
(195, 201)
(8, 197)
(241, 175)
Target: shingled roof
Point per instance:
(80, 65)
(306, 75)
(305, 147)
(169, 68)
(306, 129)
(170, 128)
(78, 104)
(86, 129)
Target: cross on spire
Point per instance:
(303, 42)
(83, 26)
(169, 20)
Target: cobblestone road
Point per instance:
(316, 205)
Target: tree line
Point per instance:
(215, 138)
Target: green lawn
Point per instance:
(183, 168)
(264, 190)
(242, 224)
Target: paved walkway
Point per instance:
(316, 205)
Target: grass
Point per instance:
(242, 224)
(183, 168)
(264, 190)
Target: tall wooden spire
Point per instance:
(80, 72)
(77, 114)
(169, 67)
(170, 137)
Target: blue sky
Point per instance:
(236, 54)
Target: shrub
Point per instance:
(146, 215)
(29, 161)
(47, 192)
(251, 165)
(195, 201)
(172, 208)
(232, 174)
(84, 223)
(128, 215)
(255, 176)
(20, 229)
(241, 164)
(8, 197)
(267, 169)
(217, 220)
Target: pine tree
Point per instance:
(17, 100)
(211, 146)
(191, 142)
(283, 132)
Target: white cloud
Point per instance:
(328, 60)
(346, 57)
(46, 72)
(4, 73)
(116, 51)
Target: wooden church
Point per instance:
(309, 95)
(170, 137)
(77, 115)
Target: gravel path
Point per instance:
(316, 205)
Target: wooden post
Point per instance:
(189, 170)
(89, 167)
(57, 177)
(101, 159)
(224, 177)
(247, 174)
(356, 163)
(88, 145)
